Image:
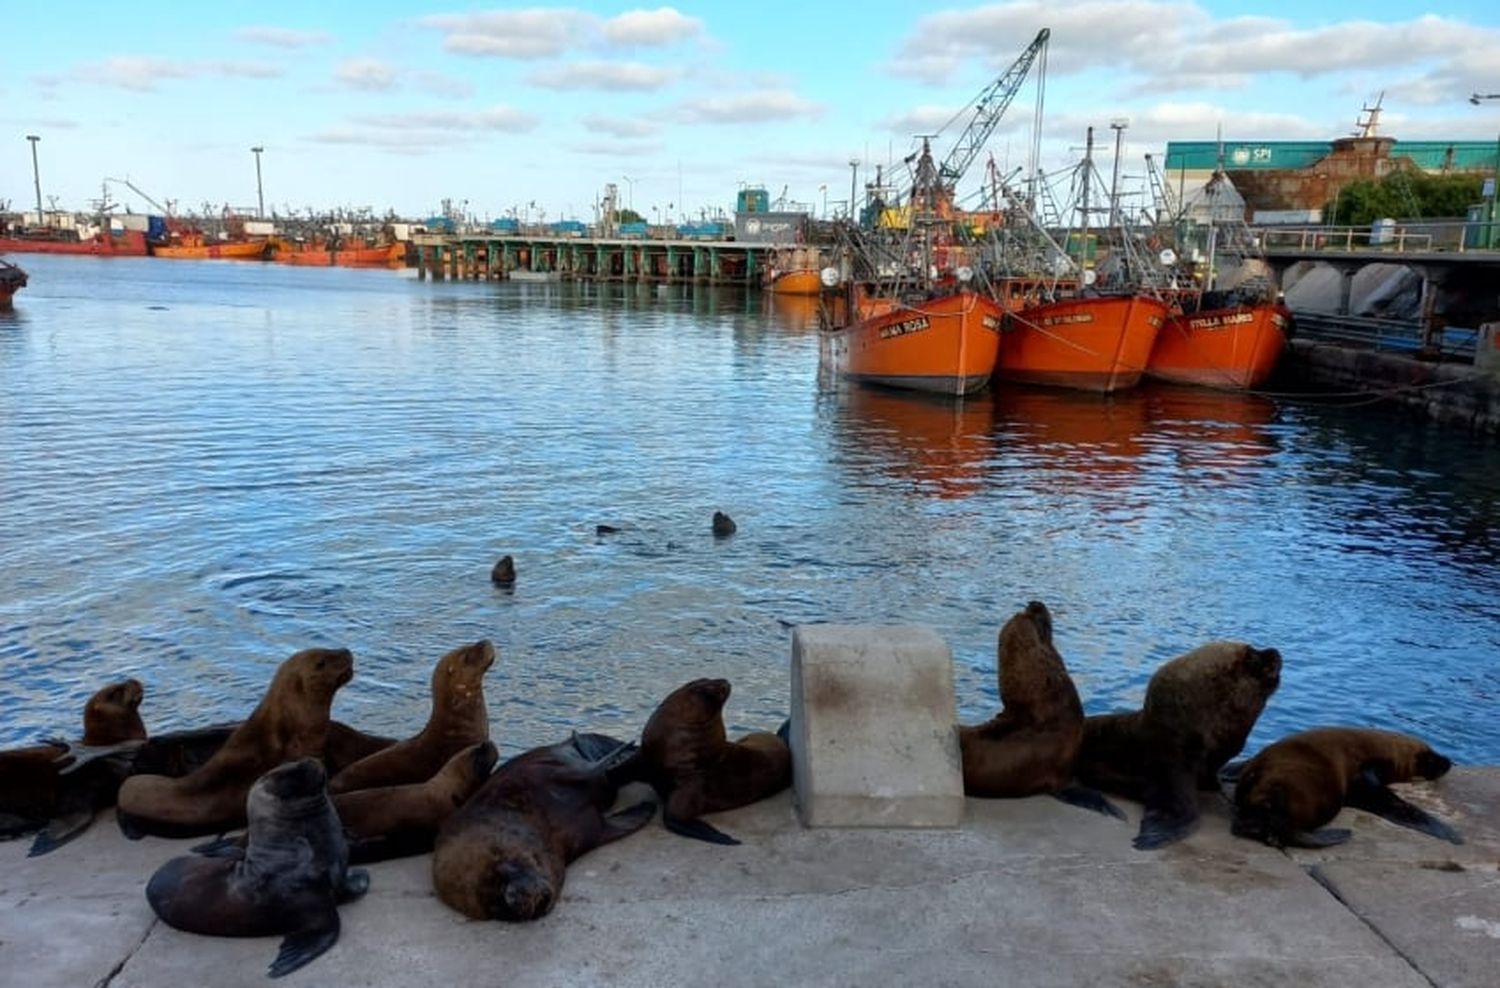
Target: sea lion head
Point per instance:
(1260, 808)
(522, 887)
(699, 703)
(459, 675)
(318, 672)
(1026, 629)
(1263, 665)
(1431, 765)
(292, 781)
(113, 714)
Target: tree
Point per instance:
(628, 216)
(1404, 193)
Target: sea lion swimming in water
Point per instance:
(290, 722)
(289, 879)
(458, 720)
(504, 854)
(43, 788)
(1293, 787)
(1029, 747)
(687, 758)
(1199, 709)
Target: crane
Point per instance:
(989, 106)
(163, 210)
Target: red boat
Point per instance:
(129, 243)
(1093, 343)
(1235, 347)
(12, 280)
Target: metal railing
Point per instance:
(1459, 236)
(1395, 335)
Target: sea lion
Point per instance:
(57, 787)
(459, 719)
(504, 854)
(396, 821)
(1030, 745)
(723, 525)
(289, 879)
(503, 573)
(686, 757)
(290, 722)
(1199, 709)
(1291, 788)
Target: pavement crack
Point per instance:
(104, 982)
(1317, 874)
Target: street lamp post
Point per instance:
(824, 189)
(630, 194)
(1489, 237)
(853, 181)
(36, 176)
(1118, 125)
(260, 199)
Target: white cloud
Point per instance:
(501, 118)
(142, 74)
(766, 106)
(925, 119)
(442, 85)
(616, 149)
(621, 126)
(538, 32)
(246, 70)
(662, 26)
(281, 37)
(368, 74)
(633, 76)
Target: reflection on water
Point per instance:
(207, 466)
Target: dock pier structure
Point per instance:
(542, 257)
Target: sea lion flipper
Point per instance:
(13, 825)
(1386, 804)
(304, 946)
(696, 829)
(356, 884)
(628, 821)
(1323, 837)
(75, 756)
(61, 829)
(224, 846)
(1171, 813)
(1232, 771)
(1089, 799)
(784, 732)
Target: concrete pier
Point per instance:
(505, 256)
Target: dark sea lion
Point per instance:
(57, 788)
(290, 722)
(1029, 747)
(504, 854)
(503, 573)
(723, 525)
(459, 719)
(1291, 788)
(396, 821)
(289, 878)
(687, 758)
(1199, 709)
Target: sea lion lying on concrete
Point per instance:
(1293, 787)
(289, 879)
(41, 788)
(1199, 709)
(459, 719)
(504, 854)
(687, 758)
(290, 722)
(1029, 747)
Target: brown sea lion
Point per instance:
(1030, 745)
(1291, 788)
(42, 788)
(397, 821)
(504, 854)
(289, 878)
(290, 722)
(687, 758)
(1200, 707)
(459, 719)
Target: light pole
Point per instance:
(824, 189)
(260, 199)
(1118, 125)
(630, 193)
(853, 181)
(1489, 239)
(36, 176)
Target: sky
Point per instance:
(531, 110)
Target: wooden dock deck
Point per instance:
(555, 256)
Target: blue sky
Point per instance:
(398, 105)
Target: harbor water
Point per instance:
(205, 466)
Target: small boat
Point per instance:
(946, 344)
(196, 247)
(12, 280)
(355, 255)
(1098, 343)
(794, 271)
(126, 243)
(1235, 347)
(800, 282)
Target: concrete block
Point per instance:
(873, 733)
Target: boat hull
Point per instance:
(1235, 348)
(349, 257)
(1100, 343)
(945, 345)
(131, 243)
(806, 282)
(248, 250)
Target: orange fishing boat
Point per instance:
(1235, 347)
(1092, 343)
(946, 344)
(358, 255)
(801, 282)
(126, 243)
(194, 247)
(794, 271)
